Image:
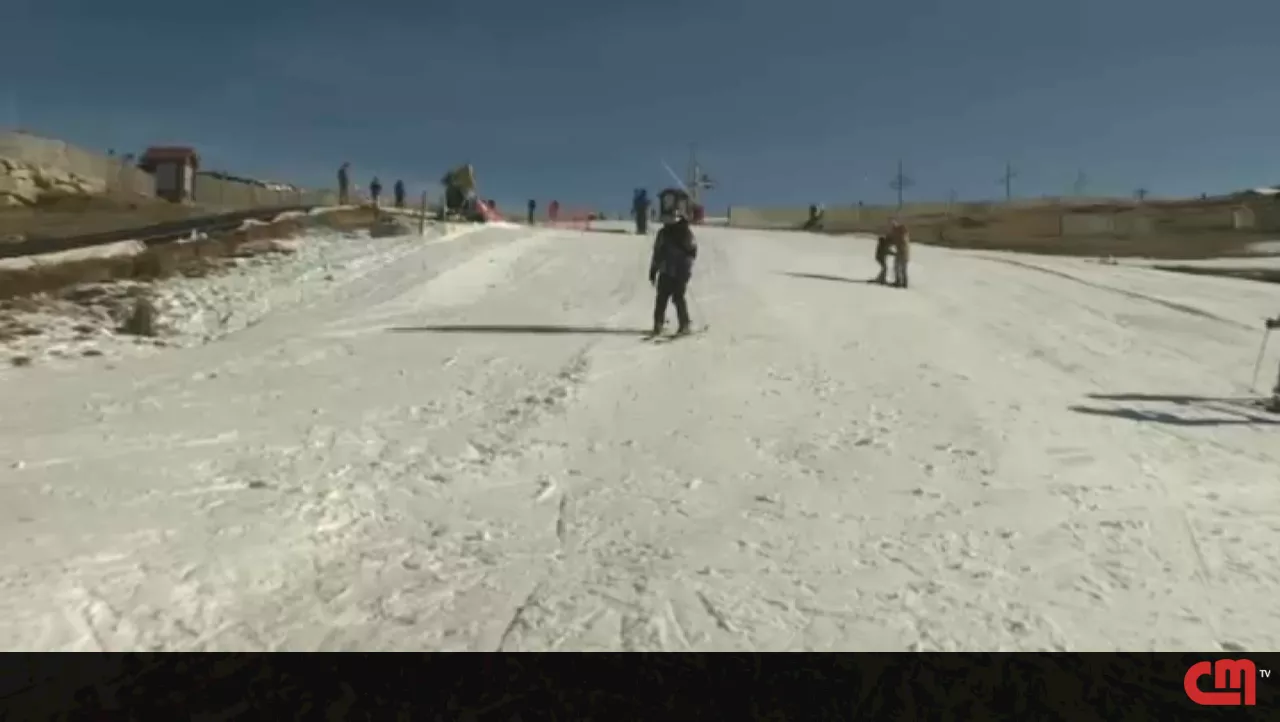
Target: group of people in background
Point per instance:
(553, 211)
(375, 188)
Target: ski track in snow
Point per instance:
(834, 466)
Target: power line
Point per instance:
(900, 182)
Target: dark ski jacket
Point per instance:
(674, 252)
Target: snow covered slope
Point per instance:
(470, 448)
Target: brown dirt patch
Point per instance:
(193, 258)
(1178, 230)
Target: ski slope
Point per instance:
(468, 447)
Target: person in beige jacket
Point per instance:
(897, 242)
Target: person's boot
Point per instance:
(684, 329)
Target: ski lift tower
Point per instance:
(698, 181)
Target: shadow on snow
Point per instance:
(825, 277)
(541, 330)
(1241, 411)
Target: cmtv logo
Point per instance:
(1235, 682)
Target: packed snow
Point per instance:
(467, 446)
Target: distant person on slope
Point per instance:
(882, 257)
(899, 241)
(375, 190)
(398, 191)
(533, 207)
(344, 183)
(670, 269)
(640, 210)
(1273, 324)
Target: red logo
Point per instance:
(1240, 675)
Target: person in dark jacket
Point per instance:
(640, 210)
(533, 207)
(375, 190)
(670, 269)
(882, 257)
(398, 191)
(344, 183)
(1274, 404)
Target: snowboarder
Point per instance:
(533, 206)
(375, 190)
(670, 269)
(398, 191)
(640, 210)
(344, 183)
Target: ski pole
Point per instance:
(1257, 366)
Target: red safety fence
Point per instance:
(569, 218)
(489, 211)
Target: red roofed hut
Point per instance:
(175, 170)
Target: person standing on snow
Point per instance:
(344, 183)
(398, 191)
(533, 207)
(640, 210)
(882, 257)
(670, 269)
(375, 190)
(899, 240)
(1274, 405)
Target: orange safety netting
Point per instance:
(570, 218)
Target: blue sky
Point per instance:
(807, 100)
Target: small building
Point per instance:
(174, 168)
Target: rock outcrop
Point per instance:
(25, 184)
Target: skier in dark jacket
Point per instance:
(398, 191)
(533, 207)
(375, 190)
(640, 210)
(670, 269)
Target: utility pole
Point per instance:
(692, 173)
(900, 182)
(1082, 181)
(951, 202)
(1007, 180)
